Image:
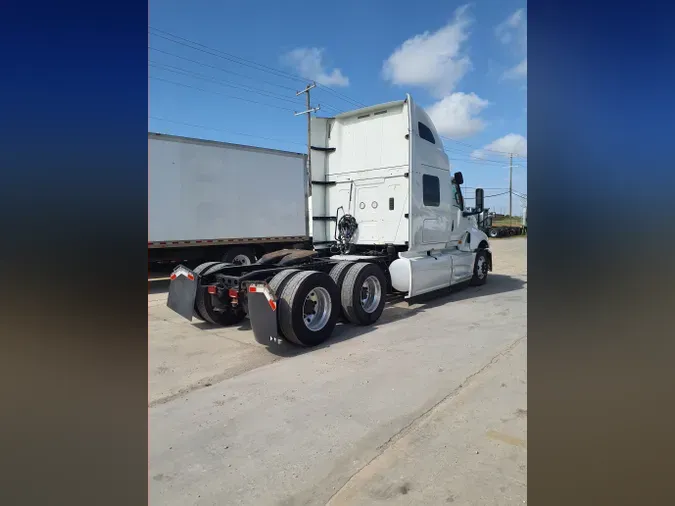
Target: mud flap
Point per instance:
(182, 292)
(263, 316)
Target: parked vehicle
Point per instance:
(199, 192)
(385, 217)
(495, 226)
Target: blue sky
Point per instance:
(465, 63)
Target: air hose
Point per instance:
(346, 228)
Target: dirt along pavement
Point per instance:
(428, 406)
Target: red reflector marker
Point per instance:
(273, 305)
(191, 277)
(251, 288)
(173, 276)
(212, 289)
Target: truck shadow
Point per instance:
(398, 309)
(157, 286)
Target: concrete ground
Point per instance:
(428, 406)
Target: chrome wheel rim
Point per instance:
(316, 309)
(371, 294)
(241, 260)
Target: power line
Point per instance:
(503, 153)
(478, 162)
(456, 151)
(222, 69)
(225, 131)
(486, 188)
(246, 62)
(204, 77)
(482, 162)
(222, 54)
(328, 106)
(488, 196)
(453, 151)
(340, 95)
(218, 93)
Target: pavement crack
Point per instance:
(206, 383)
(425, 415)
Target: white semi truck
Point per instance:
(198, 191)
(386, 216)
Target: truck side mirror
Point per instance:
(479, 199)
(459, 179)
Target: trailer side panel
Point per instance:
(202, 190)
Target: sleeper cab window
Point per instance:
(425, 132)
(431, 190)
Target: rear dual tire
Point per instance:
(362, 293)
(206, 311)
(229, 315)
(308, 307)
(198, 270)
(310, 302)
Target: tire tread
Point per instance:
(347, 294)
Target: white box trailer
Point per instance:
(201, 194)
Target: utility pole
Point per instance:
(510, 188)
(308, 112)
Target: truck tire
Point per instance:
(480, 269)
(278, 282)
(363, 293)
(239, 255)
(493, 232)
(198, 270)
(308, 308)
(338, 274)
(230, 316)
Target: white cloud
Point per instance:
(514, 23)
(456, 115)
(510, 143)
(308, 62)
(513, 32)
(517, 72)
(433, 61)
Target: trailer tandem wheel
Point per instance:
(239, 255)
(363, 293)
(308, 308)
